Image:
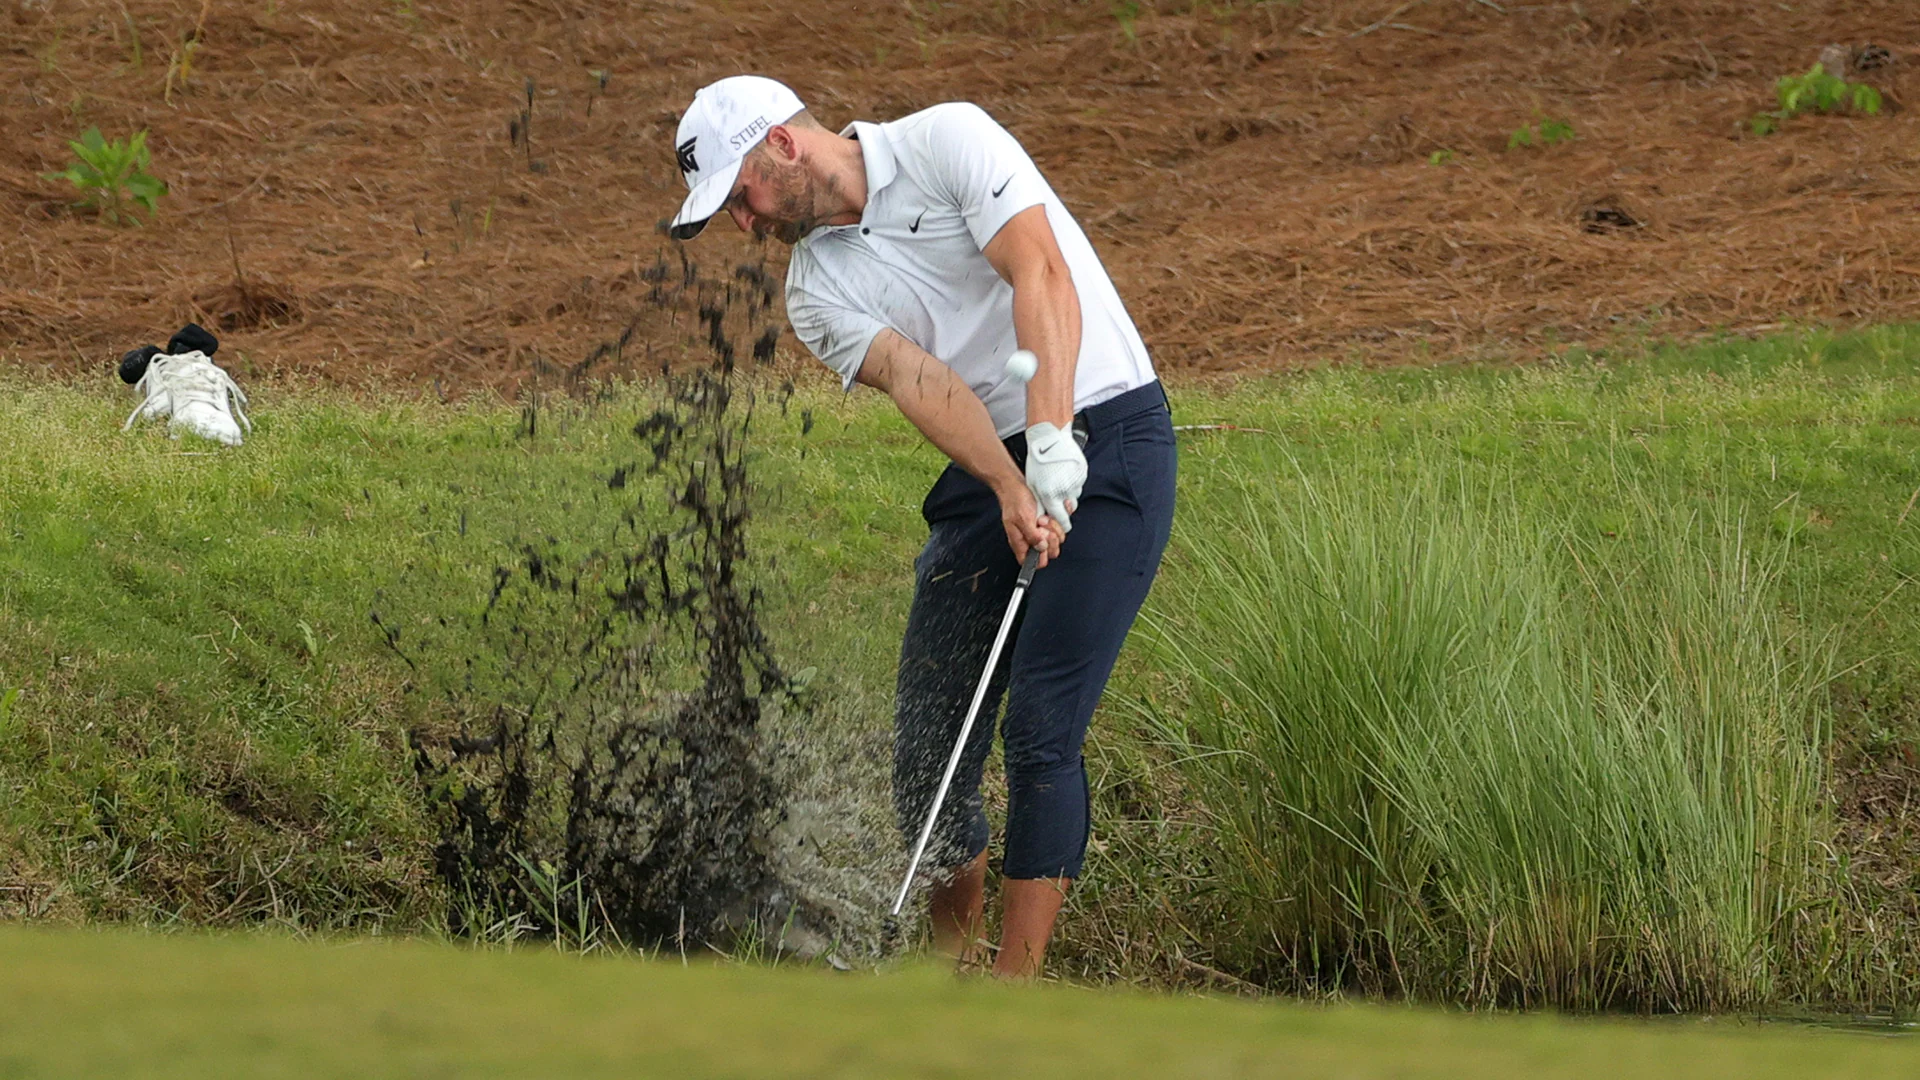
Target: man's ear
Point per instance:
(783, 143)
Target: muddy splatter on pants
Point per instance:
(1063, 646)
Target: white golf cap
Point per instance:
(726, 119)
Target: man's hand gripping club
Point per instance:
(955, 420)
(1056, 463)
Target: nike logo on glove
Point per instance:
(1003, 187)
(915, 227)
(1056, 471)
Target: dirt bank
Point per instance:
(1271, 184)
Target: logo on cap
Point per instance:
(687, 163)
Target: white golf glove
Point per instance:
(1056, 471)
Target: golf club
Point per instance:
(1027, 569)
(1021, 367)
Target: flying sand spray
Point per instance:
(1021, 367)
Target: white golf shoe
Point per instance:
(195, 394)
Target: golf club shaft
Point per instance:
(1027, 569)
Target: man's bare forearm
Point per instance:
(944, 408)
(1046, 310)
(1046, 319)
(953, 418)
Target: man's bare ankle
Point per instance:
(978, 960)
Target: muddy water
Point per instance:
(617, 777)
(1853, 1023)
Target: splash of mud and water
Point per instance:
(617, 781)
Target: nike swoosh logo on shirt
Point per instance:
(1003, 187)
(915, 227)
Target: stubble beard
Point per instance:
(796, 212)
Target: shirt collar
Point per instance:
(877, 150)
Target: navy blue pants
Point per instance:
(1070, 628)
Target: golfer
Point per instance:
(925, 251)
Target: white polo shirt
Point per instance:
(940, 184)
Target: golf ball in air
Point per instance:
(1022, 365)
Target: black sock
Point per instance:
(134, 364)
(192, 338)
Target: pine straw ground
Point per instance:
(348, 201)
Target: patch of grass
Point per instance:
(208, 735)
(1452, 741)
(1806, 436)
(1547, 131)
(209, 730)
(91, 1004)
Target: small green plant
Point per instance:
(1441, 157)
(308, 639)
(136, 56)
(180, 68)
(567, 909)
(49, 54)
(1547, 132)
(1815, 91)
(1126, 13)
(599, 87)
(112, 176)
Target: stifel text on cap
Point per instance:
(748, 134)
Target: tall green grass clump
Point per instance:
(1454, 745)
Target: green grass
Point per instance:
(209, 730)
(91, 1004)
(1452, 742)
(208, 727)
(1809, 438)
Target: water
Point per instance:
(1885, 1024)
(624, 782)
(1872, 1024)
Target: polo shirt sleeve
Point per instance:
(982, 167)
(833, 330)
